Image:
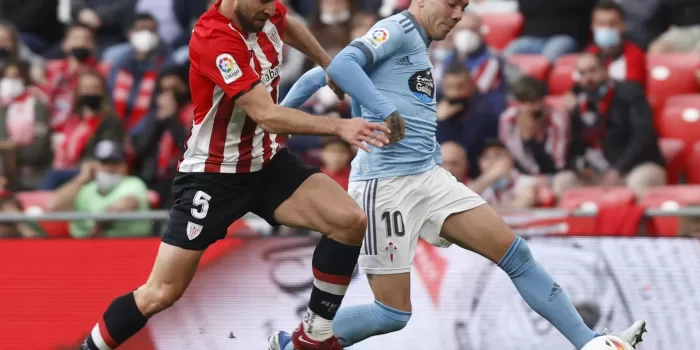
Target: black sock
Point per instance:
(333, 264)
(121, 320)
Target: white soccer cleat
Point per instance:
(633, 335)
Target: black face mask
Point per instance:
(81, 53)
(464, 101)
(5, 53)
(93, 102)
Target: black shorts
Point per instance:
(206, 204)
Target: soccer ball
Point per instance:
(607, 342)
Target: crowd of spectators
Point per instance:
(95, 106)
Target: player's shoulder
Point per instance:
(212, 29)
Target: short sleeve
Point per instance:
(225, 60)
(382, 41)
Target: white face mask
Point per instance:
(466, 41)
(327, 97)
(106, 182)
(331, 18)
(144, 41)
(11, 88)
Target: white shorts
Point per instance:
(401, 209)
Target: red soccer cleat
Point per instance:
(302, 341)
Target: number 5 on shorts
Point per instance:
(201, 205)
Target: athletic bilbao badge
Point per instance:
(193, 230)
(391, 250)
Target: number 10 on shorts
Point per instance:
(394, 224)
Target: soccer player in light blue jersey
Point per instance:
(404, 192)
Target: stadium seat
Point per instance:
(669, 75)
(693, 164)
(669, 198)
(153, 199)
(561, 78)
(536, 66)
(673, 151)
(35, 203)
(500, 28)
(591, 198)
(680, 118)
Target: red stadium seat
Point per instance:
(681, 118)
(669, 75)
(561, 78)
(500, 28)
(35, 203)
(589, 197)
(670, 198)
(673, 151)
(536, 66)
(693, 164)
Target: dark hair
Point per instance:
(493, 143)
(180, 71)
(13, 32)
(528, 89)
(74, 26)
(143, 17)
(610, 5)
(457, 68)
(23, 67)
(334, 140)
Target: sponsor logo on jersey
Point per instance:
(228, 68)
(270, 75)
(377, 37)
(422, 86)
(404, 61)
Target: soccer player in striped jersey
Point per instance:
(407, 195)
(235, 162)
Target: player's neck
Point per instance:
(415, 10)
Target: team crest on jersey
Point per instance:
(228, 68)
(422, 86)
(377, 37)
(193, 230)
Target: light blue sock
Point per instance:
(356, 323)
(543, 295)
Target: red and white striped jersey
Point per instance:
(555, 137)
(225, 63)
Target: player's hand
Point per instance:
(336, 89)
(357, 130)
(397, 125)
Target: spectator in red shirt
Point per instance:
(93, 120)
(335, 156)
(79, 48)
(625, 60)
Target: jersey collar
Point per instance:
(419, 28)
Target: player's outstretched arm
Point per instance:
(305, 87)
(273, 118)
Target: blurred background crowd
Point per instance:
(536, 99)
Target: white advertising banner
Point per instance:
(460, 300)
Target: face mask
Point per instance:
(501, 183)
(10, 88)
(81, 53)
(441, 54)
(331, 18)
(606, 37)
(464, 101)
(93, 102)
(4, 53)
(466, 41)
(106, 182)
(327, 97)
(144, 41)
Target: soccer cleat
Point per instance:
(302, 341)
(279, 340)
(632, 335)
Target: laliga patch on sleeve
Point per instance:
(228, 68)
(377, 37)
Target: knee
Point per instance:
(351, 227)
(390, 319)
(153, 298)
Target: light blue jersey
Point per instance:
(398, 64)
